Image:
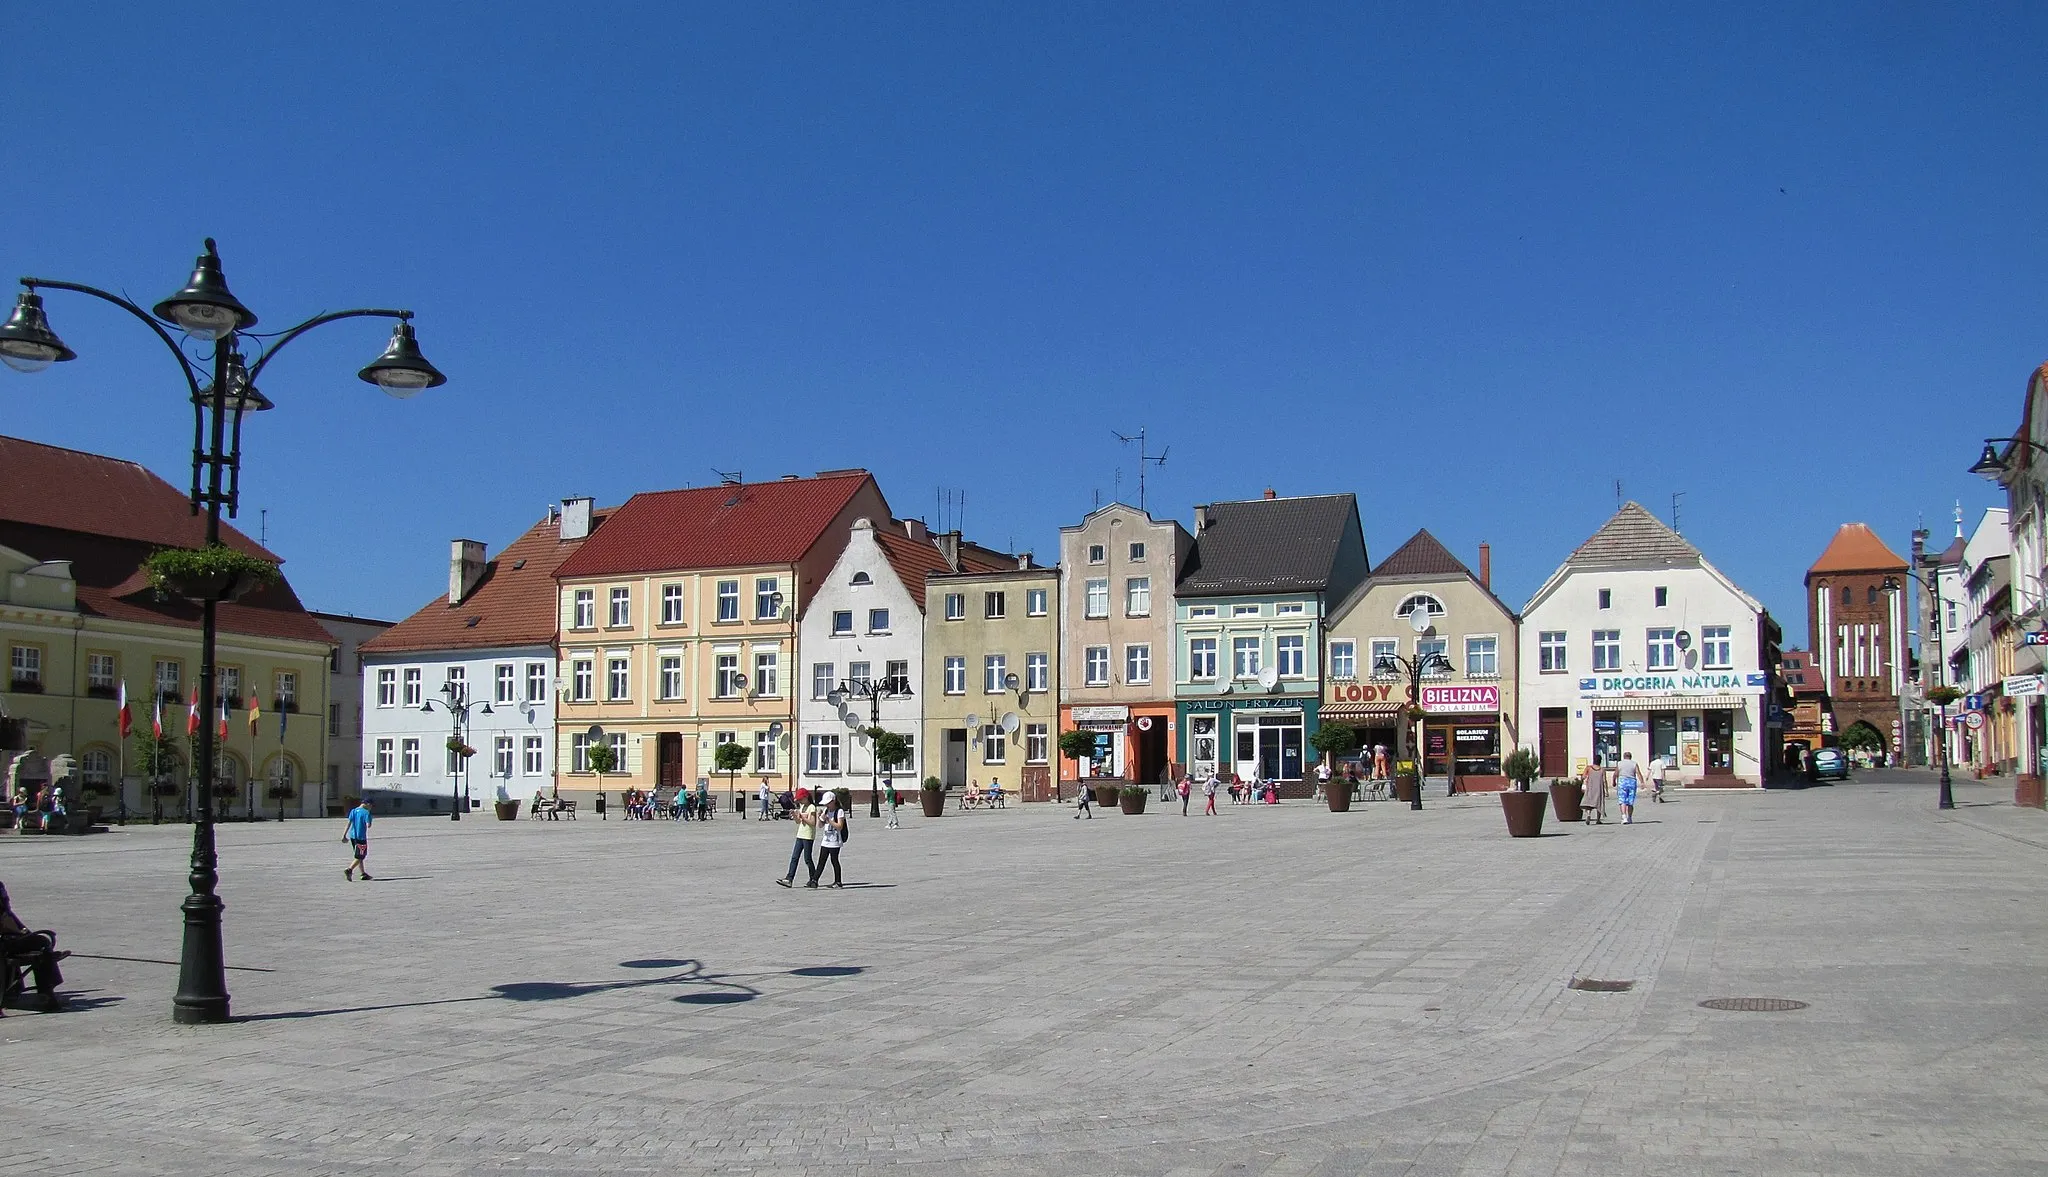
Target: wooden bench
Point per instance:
(566, 807)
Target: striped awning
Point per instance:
(1634, 703)
(1359, 710)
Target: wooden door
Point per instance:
(669, 761)
(1554, 740)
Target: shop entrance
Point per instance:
(1606, 740)
(669, 761)
(1269, 745)
(955, 765)
(1149, 741)
(1720, 743)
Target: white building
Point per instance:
(1978, 663)
(2025, 478)
(1637, 644)
(345, 772)
(489, 642)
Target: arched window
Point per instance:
(1871, 595)
(862, 578)
(97, 766)
(228, 775)
(1428, 604)
(1848, 596)
(282, 770)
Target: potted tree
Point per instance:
(1077, 746)
(1333, 740)
(730, 759)
(600, 759)
(1524, 809)
(1131, 798)
(215, 572)
(932, 795)
(891, 750)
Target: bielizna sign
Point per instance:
(1672, 684)
(1461, 698)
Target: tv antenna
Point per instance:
(952, 507)
(727, 477)
(1158, 459)
(1675, 496)
(1617, 494)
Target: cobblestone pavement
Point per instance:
(1277, 991)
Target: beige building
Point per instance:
(991, 662)
(677, 627)
(1118, 568)
(1423, 600)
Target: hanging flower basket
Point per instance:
(460, 749)
(280, 792)
(213, 573)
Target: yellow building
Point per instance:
(991, 675)
(678, 622)
(78, 621)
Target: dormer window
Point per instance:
(1430, 606)
(860, 578)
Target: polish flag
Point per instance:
(156, 722)
(127, 717)
(192, 715)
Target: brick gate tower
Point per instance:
(1858, 631)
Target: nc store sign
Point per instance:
(1671, 684)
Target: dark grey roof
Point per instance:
(1274, 546)
(1422, 555)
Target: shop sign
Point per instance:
(1461, 698)
(1249, 703)
(1361, 692)
(1670, 684)
(2018, 685)
(1689, 749)
(1101, 714)
(2034, 637)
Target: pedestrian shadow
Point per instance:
(829, 970)
(398, 878)
(866, 886)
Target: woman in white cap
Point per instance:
(831, 836)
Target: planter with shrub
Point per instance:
(1131, 798)
(932, 795)
(212, 573)
(1522, 808)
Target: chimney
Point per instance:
(1201, 518)
(1023, 559)
(915, 529)
(1486, 566)
(1270, 494)
(465, 568)
(575, 518)
(949, 547)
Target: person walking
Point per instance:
(1593, 807)
(894, 800)
(1209, 797)
(1628, 777)
(1081, 809)
(806, 832)
(1379, 762)
(831, 836)
(1655, 769)
(358, 838)
(1322, 781)
(767, 797)
(1186, 789)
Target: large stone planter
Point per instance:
(1405, 788)
(933, 800)
(1338, 794)
(1565, 799)
(2027, 791)
(1524, 812)
(1132, 802)
(1105, 795)
(507, 810)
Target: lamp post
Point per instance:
(455, 700)
(874, 690)
(1892, 585)
(212, 319)
(1414, 668)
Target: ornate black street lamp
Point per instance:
(455, 701)
(214, 321)
(1891, 585)
(874, 690)
(1415, 668)
(1994, 465)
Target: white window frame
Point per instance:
(1135, 553)
(1095, 598)
(1717, 647)
(1289, 609)
(1095, 665)
(878, 621)
(386, 757)
(1098, 553)
(415, 689)
(583, 679)
(728, 600)
(995, 745)
(768, 673)
(672, 604)
(821, 754)
(620, 612)
(1037, 672)
(505, 683)
(766, 589)
(764, 752)
(995, 605)
(1244, 610)
(387, 686)
(1035, 602)
(409, 757)
(842, 623)
(1293, 644)
(1660, 648)
(994, 667)
(100, 672)
(1247, 657)
(1138, 596)
(1199, 612)
(618, 677)
(1201, 659)
(956, 674)
(725, 671)
(956, 606)
(534, 751)
(1438, 645)
(1344, 659)
(583, 609)
(1553, 648)
(1037, 743)
(1486, 648)
(1137, 663)
(1606, 649)
(824, 676)
(536, 682)
(501, 756)
(670, 677)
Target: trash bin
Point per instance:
(600, 804)
(739, 804)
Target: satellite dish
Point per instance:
(775, 729)
(1269, 677)
(1225, 687)
(595, 735)
(740, 681)
(1684, 640)
(973, 720)
(1011, 723)
(1010, 681)
(852, 720)
(1418, 619)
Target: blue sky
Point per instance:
(1474, 263)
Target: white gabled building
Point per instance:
(1637, 644)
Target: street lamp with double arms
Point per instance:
(874, 690)
(1892, 584)
(455, 701)
(1432, 662)
(212, 320)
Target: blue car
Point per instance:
(1827, 764)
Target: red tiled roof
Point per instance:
(1422, 555)
(914, 560)
(732, 526)
(514, 604)
(1856, 548)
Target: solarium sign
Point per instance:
(1673, 684)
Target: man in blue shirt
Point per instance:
(358, 837)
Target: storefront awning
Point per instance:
(1674, 703)
(1359, 710)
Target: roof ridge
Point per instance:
(6, 437)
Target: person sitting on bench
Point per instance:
(37, 950)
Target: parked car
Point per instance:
(1827, 764)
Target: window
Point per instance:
(1662, 650)
(584, 610)
(1343, 660)
(581, 684)
(1037, 672)
(992, 606)
(1871, 595)
(1949, 608)
(1097, 554)
(615, 679)
(409, 757)
(1383, 650)
(767, 672)
(726, 671)
(956, 606)
(455, 683)
(1197, 612)
(767, 599)
(842, 623)
(1482, 657)
(167, 672)
(1848, 595)
(536, 681)
(1138, 596)
(622, 606)
(413, 689)
(1423, 601)
(822, 679)
(287, 690)
(1036, 744)
(1550, 647)
(993, 668)
(1716, 650)
(1137, 551)
(728, 600)
(99, 674)
(505, 683)
(334, 719)
(1138, 663)
(1288, 609)
(501, 756)
(1424, 647)
(97, 767)
(1095, 662)
(858, 676)
(671, 604)
(579, 752)
(1202, 658)
(956, 675)
(995, 746)
(387, 687)
(1097, 598)
(821, 753)
(764, 752)
(670, 678)
(618, 742)
(1660, 595)
(228, 679)
(1244, 610)
(359, 720)
(1290, 654)
(878, 621)
(861, 578)
(1606, 598)
(1244, 657)
(535, 755)
(1034, 602)
(383, 757)
(896, 674)
(1606, 649)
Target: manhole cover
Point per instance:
(1753, 1005)
(1591, 985)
